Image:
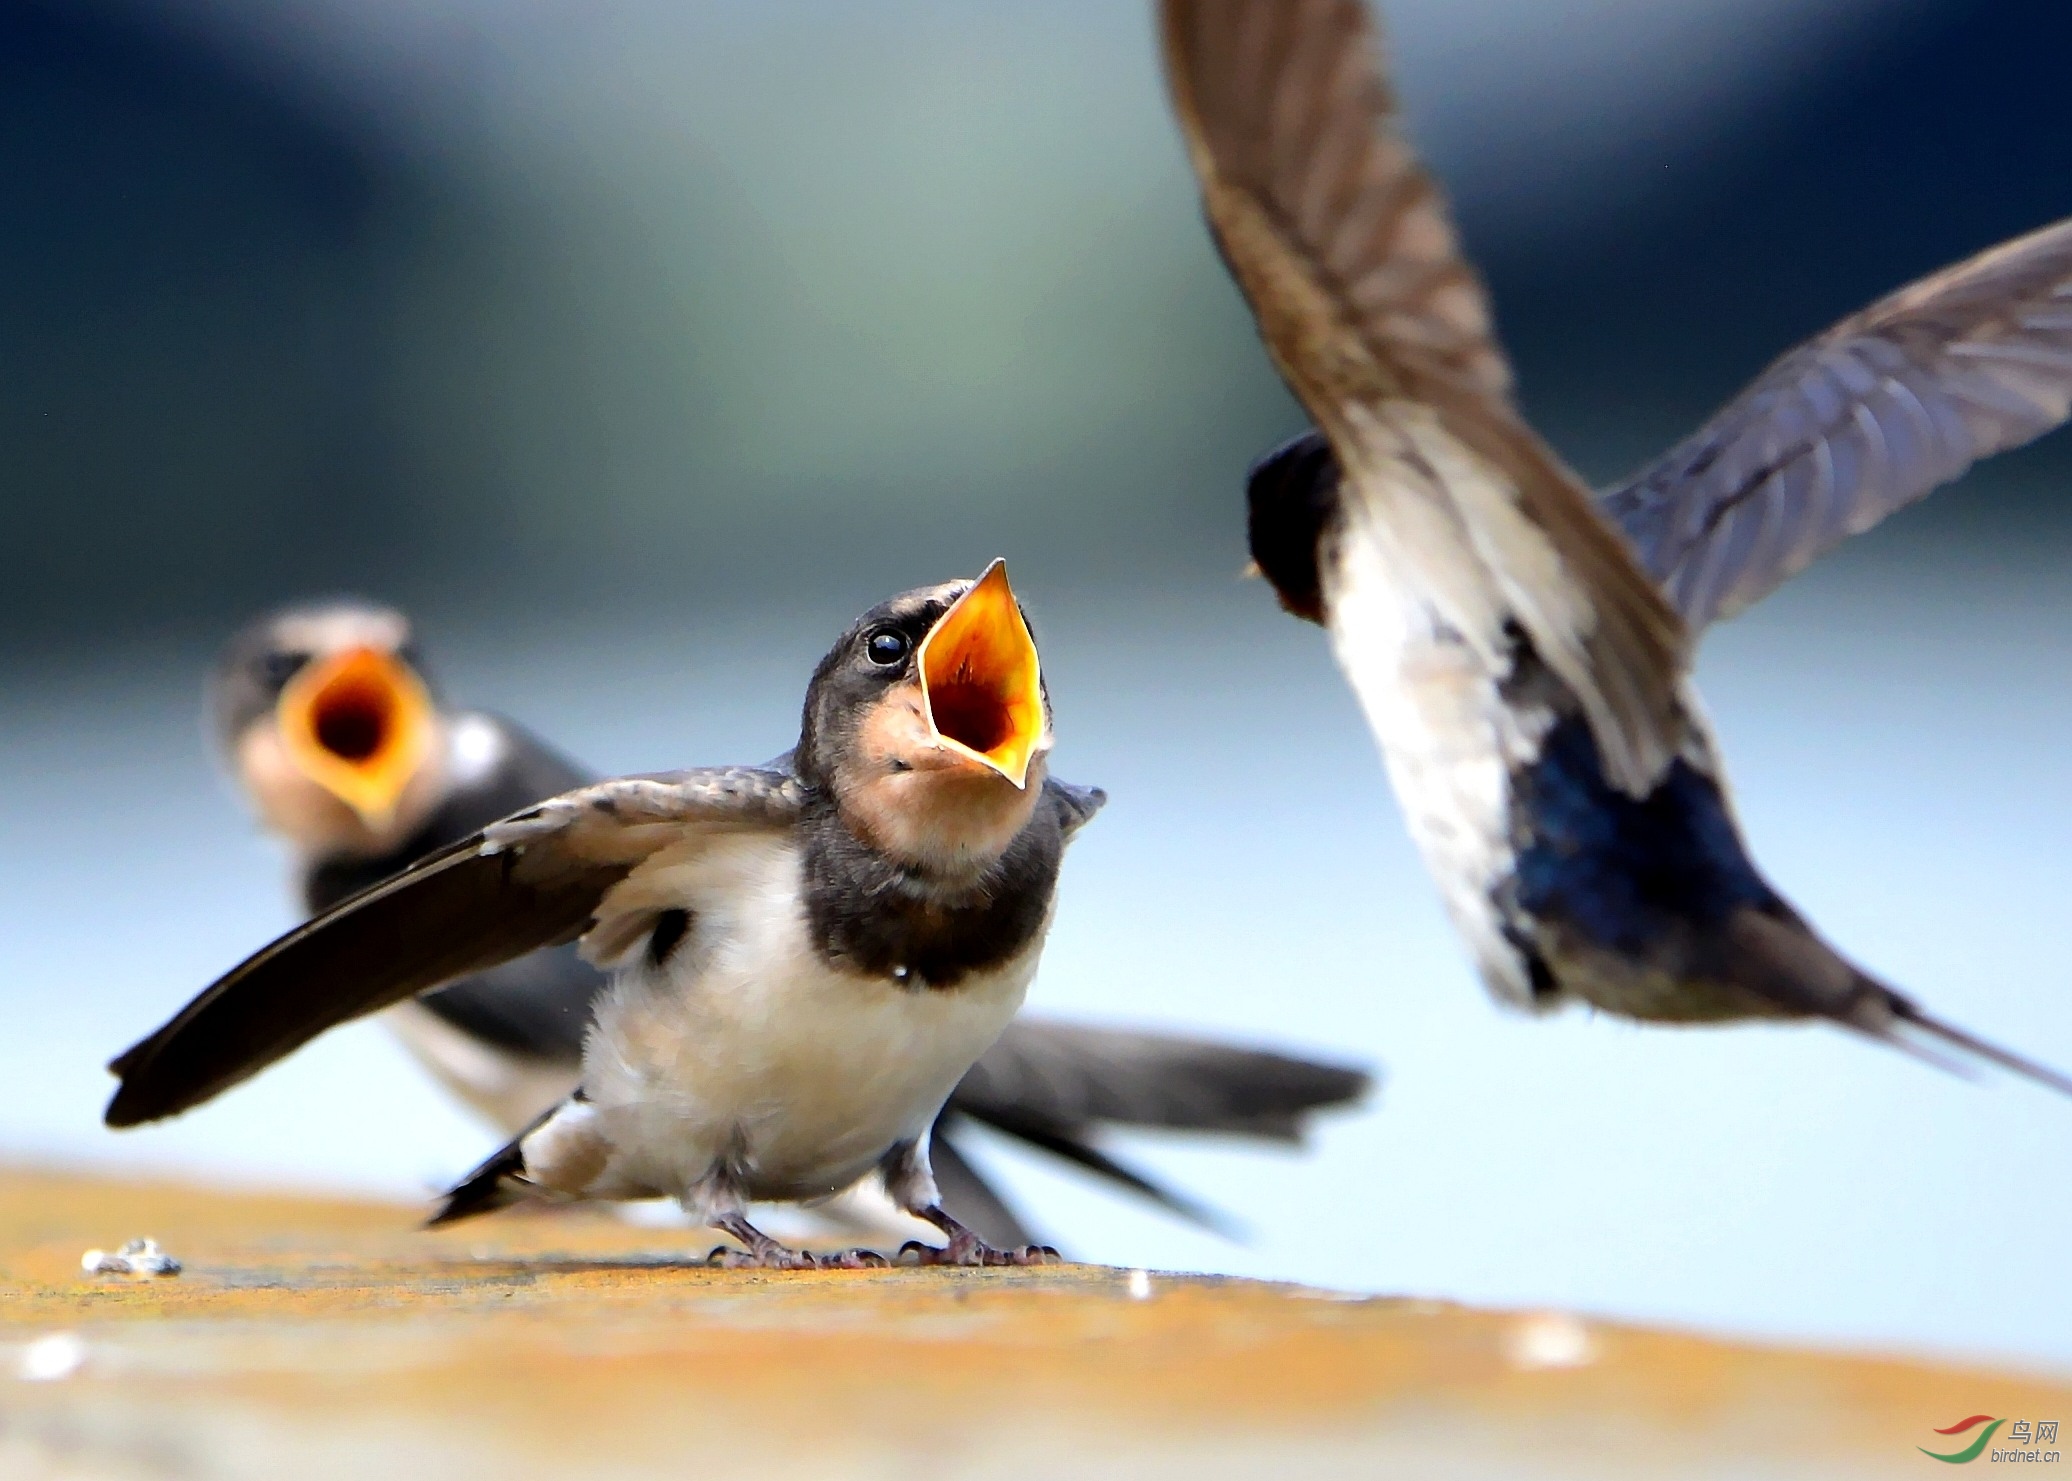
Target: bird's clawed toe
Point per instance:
(969, 1249)
(1028, 1254)
(858, 1259)
(726, 1257)
(778, 1257)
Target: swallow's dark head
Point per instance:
(929, 724)
(323, 716)
(1291, 501)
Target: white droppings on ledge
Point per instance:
(138, 1257)
(1549, 1339)
(54, 1356)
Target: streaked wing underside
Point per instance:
(1870, 416)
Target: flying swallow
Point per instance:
(1521, 650)
(326, 718)
(805, 959)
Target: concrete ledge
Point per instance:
(315, 1339)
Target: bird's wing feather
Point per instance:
(538, 1005)
(496, 768)
(1053, 1085)
(1344, 248)
(1074, 1075)
(1875, 413)
(1076, 1148)
(535, 879)
(1076, 805)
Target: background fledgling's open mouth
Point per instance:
(358, 724)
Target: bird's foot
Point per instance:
(774, 1257)
(966, 1248)
(858, 1259)
(758, 1252)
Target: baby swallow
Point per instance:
(328, 722)
(804, 960)
(325, 718)
(1529, 679)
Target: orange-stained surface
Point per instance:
(316, 1339)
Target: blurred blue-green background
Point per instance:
(637, 344)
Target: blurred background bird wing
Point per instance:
(1879, 411)
(1056, 1086)
(1077, 1075)
(1344, 248)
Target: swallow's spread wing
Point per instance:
(1074, 1076)
(1055, 1085)
(497, 768)
(1345, 250)
(1877, 412)
(537, 1006)
(538, 878)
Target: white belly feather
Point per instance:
(744, 1047)
(1418, 629)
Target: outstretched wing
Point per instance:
(1345, 251)
(535, 879)
(1054, 1086)
(1075, 1076)
(537, 1006)
(1877, 412)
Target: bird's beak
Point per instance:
(980, 681)
(359, 724)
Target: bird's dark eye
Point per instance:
(887, 648)
(278, 668)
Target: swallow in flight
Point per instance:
(1522, 649)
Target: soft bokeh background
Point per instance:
(637, 344)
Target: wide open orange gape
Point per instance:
(980, 680)
(359, 724)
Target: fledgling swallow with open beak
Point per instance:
(1527, 677)
(805, 961)
(508, 1041)
(326, 720)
